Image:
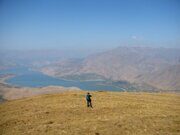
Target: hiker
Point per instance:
(88, 99)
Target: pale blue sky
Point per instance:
(88, 24)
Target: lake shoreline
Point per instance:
(11, 92)
(36, 79)
(6, 77)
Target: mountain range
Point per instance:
(155, 67)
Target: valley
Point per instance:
(150, 68)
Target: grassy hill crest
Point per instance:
(114, 113)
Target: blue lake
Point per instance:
(29, 78)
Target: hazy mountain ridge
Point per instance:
(157, 67)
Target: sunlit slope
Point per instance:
(147, 67)
(114, 113)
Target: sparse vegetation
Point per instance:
(114, 113)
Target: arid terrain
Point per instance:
(9, 92)
(143, 67)
(113, 113)
(125, 53)
(59, 110)
(157, 68)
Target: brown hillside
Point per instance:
(114, 113)
(157, 67)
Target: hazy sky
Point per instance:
(79, 24)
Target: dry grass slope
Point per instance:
(114, 113)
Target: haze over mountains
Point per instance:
(149, 68)
(155, 67)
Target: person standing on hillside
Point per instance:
(88, 99)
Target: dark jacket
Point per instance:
(88, 97)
